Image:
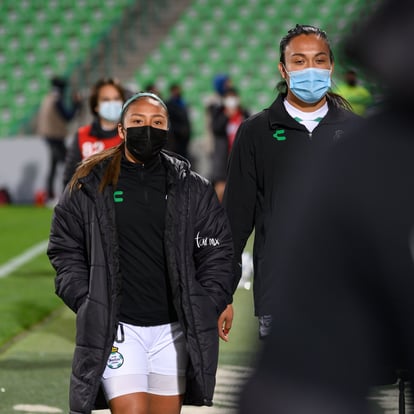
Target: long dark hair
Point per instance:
(111, 157)
(300, 29)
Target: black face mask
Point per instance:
(146, 142)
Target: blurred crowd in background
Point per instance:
(197, 60)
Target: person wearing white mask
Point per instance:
(105, 101)
(225, 121)
(273, 146)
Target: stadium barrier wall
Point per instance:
(24, 163)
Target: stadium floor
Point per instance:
(35, 369)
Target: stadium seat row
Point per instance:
(39, 39)
(238, 37)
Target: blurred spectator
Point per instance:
(357, 95)
(344, 266)
(130, 89)
(180, 126)
(304, 120)
(225, 121)
(53, 124)
(221, 82)
(4, 196)
(152, 88)
(105, 103)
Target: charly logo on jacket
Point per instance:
(280, 135)
(206, 241)
(338, 134)
(118, 196)
(115, 360)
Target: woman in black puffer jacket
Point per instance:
(139, 240)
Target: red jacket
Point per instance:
(90, 144)
(89, 139)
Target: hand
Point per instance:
(225, 321)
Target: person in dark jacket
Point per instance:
(53, 124)
(225, 121)
(343, 301)
(180, 128)
(105, 103)
(270, 146)
(143, 254)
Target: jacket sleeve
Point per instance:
(73, 158)
(213, 250)
(67, 251)
(240, 193)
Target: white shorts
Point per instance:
(150, 359)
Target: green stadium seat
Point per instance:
(212, 36)
(48, 39)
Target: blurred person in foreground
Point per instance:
(143, 254)
(53, 123)
(105, 104)
(344, 268)
(304, 120)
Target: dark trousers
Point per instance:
(57, 154)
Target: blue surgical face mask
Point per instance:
(110, 110)
(310, 85)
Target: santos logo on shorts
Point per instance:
(116, 359)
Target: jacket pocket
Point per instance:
(91, 324)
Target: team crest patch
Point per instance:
(115, 360)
